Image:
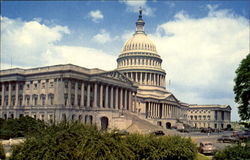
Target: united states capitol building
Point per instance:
(135, 90)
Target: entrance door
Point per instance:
(104, 123)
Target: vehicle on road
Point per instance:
(158, 133)
(207, 148)
(230, 139)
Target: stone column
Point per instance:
(126, 98)
(150, 78)
(129, 100)
(3, 94)
(106, 97)
(121, 99)
(150, 108)
(76, 94)
(136, 77)
(95, 95)
(101, 96)
(17, 93)
(141, 77)
(88, 95)
(23, 101)
(9, 94)
(111, 97)
(82, 94)
(69, 93)
(116, 98)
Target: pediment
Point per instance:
(117, 76)
(172, 98)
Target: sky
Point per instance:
(201, 42)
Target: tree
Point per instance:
(242, 88)
(234, 152)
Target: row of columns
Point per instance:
(21, 97)
(139, 46)
(101, 96)
(147, 78)
(139, 61)
(161, 110)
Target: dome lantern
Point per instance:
(140, 23)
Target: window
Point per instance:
(35, 86)
(43, 85)
(35, 100)
(27, 86)
(51, 84)
(28, 100)
(13, 88)
(66, 84)
(65, 99)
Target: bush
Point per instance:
(21, 127)
(77, 141)
(2, 153)
(235, 152)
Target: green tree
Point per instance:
(235, 152)
(242, 88)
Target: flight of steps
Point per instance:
(144, 127)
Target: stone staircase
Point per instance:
(144, 127)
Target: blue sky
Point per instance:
(201, 42)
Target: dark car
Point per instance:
(158, 133)
(229, 139)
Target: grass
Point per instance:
(203, 157)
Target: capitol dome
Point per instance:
(139, 43)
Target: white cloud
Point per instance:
(201, 55)
(96, 16)
(103, 37)
(25, 42)
(134, 6)
(32, 44)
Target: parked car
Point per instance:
(207, 130)
(183, 130)
(229, 139)
(158, 133)
(207, 148)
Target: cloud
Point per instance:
(96, 16)
(32, 44)
(25, 42)
(103, 37)
(201, 55)
(134, 6)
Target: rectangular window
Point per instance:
(51, 84)
(43, 85)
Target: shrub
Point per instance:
(21, 127)
(2, 153)
(235, 152)
(81, 142)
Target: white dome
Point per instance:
(139, 43)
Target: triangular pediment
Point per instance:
(172, 98)
(116, 75)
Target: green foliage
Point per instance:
(21, 127)
(242, 88)
(2, 154)
(235, 152)
(77, 141)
